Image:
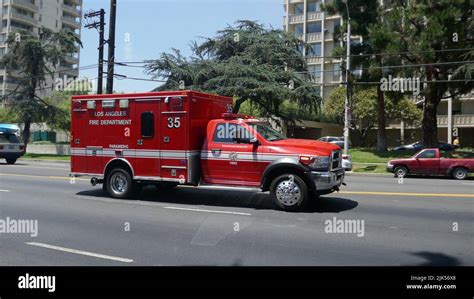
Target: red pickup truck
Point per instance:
(433, 161)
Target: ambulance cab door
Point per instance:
(174, 128)
(147, 134)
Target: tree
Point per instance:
(248, 62)
(34, 59)
(366, 22)
(434, 38)
(365, 109)
(61, 100)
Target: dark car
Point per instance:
(418, 146)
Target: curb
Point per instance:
(45, 160)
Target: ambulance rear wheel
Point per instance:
(289, 192)
(119, 183)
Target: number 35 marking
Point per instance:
(174, 122)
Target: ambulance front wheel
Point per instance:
(119, 183)
(289, 192)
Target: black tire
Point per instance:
(400, 171)
(11, 161)
(295, 201)
(459, 173)
(119, 184)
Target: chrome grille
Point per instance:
(336, 160)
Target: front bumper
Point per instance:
(327, 181)
(390, 168)
(11, 155)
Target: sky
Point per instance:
(147, 28)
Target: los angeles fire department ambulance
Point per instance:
(125, 141)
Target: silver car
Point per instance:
(334, 140)
(11, 146)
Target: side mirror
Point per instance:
(253, 140)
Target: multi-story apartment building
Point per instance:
(32, 15)
(306, 20)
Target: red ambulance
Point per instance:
(172, 138)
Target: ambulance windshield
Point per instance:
(267, 132)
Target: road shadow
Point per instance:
(227, 198)
(18, 163)
(436, 259)
(436, 177)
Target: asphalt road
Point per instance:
(424, 221)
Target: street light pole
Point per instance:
(348, 66)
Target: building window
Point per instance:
(313, 28)
(299, 29)
(147, 124)
(314, 71)
(337, 24)
(299, 9)
(314, 6)
(314, 50)
(336, 74)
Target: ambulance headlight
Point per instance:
(320, 163)
(315, 162)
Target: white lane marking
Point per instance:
(4, 190)
(208, 211)
(102, 256)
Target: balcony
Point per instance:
(462, 120)
(316, 80)
(72, 22)
(328, 36)
(315, 16)
(71, 10)
(71, 59)
(71, 72)
(314, 59)
(24, 4)
(75, 2)
(313, 37)
(296, 19)
(299, 36)
(23, 18)
(10, 86)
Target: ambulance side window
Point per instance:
(230, 133)
(147, 124)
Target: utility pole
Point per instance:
(348, 89)
(111, 59)
(100, 25)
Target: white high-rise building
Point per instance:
(31, 15)
(306, 20)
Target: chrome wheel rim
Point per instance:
(288, 192)
(401, 172)
(119, 183)
(460, 174)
